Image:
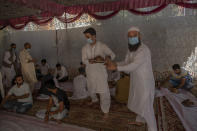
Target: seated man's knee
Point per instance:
(23, 109)
(173, 83)
(8, 105)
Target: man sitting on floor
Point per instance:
(179, 78)
(44, 68)
(82, 66)
(113, 77)
(19, 98)
(49, 76)
(80, 86)
(58, 105)
(61, 73)
(38, 72)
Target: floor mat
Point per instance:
(17, 122)
(91, 116)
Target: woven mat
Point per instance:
(91, 116)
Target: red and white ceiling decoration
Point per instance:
(50, 9)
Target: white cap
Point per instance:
(133, 28)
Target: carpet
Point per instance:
(91, 116)
(16, 122)
(167, 119)
(187, 115)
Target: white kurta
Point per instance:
(28, 69)
(59, 116)
(141, 94)
(79, 89)
(8, 72)
(62, 73)
(96, 73)
(44, 69)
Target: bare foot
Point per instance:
(105, 116)
(136, 123)
(90, 103)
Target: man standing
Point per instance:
(94, 54)
(8, 69)
(142, 90)
(27, 66)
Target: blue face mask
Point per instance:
(133, 40)
(89, 41)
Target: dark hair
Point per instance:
(176, 66)
(50, 84)
(81, 63)
(58, 65)
(133, 48)
(81, 70)
(90, 30)
(17, 77)
(12, 44)
(44, 60)
(26, 43)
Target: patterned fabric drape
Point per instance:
(51, 9)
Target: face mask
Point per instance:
(28, 50)
(89, 41)
(133, 40)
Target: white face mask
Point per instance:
(28, 50)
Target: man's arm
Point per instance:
(6, 58)
(63, 73)
(50, 104)
(4, 100)
(24, 58)
(109, 52)
(22, 96)
(60, 109)
(183, 80)
(84, 56)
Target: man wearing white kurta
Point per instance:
(61, 73)
(141, 94)
(80, 86)
(8, 70)
(93, 54)
(27, 66)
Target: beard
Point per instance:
(19, 84)
(133, 48)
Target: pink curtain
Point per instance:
(187, 5)
(70, 20)
(148, 12)
(100, 17)
(51, 9)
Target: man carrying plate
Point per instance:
(94, 55)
